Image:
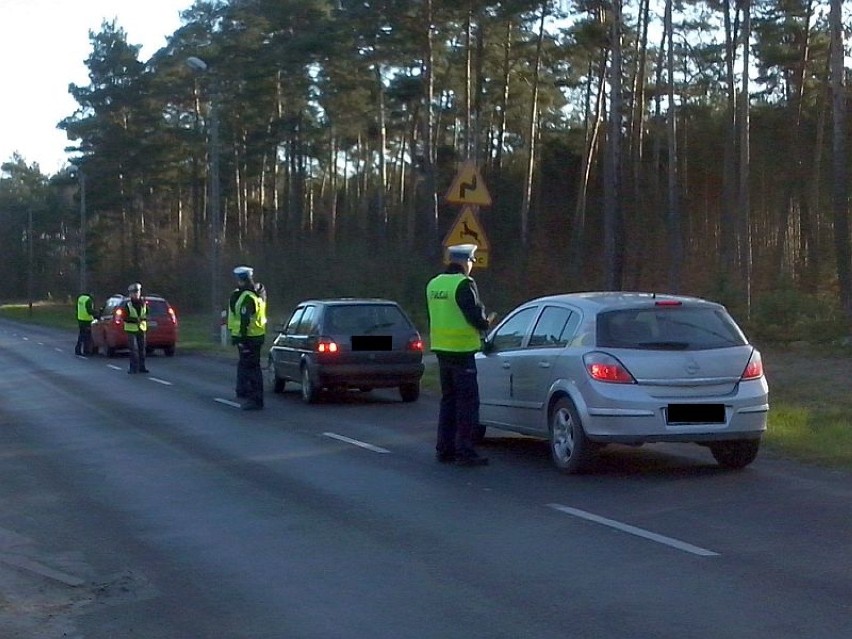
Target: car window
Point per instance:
(157, 308)
(669, 328)
(364, 319)
(295, 318)
(306, 323)
(552, 328)
(511, 333)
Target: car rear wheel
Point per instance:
(569, 447)
(735, 454)
(110, 351)
(409, 392)
(169, 351)
(310, 392)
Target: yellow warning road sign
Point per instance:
(468, 187)
(467, 230)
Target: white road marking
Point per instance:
(26, 339)
(633, 530)
(114, 367)
(227, 402)
(59, 350)
(160, 381)
(39, 569)
(40, 343)
(355, 442)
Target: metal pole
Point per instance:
(30, 261)
(83, 283)
(215, 213)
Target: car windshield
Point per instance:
(668, 328)
(364, 319)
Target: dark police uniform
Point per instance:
(456, 321)
(85, 315)
(247, 322)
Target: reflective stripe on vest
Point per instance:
(449, 329)
(138, 321)
(257, 323)
(83, 314)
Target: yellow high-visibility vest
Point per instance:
(449, 329)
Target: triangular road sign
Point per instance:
(467, 230)
(468, 187)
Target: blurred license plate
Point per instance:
(151, 324)
(695, 414)
(372, 343)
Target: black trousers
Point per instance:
(136, 341)
(459, 411)
(249, 373)
(84, 338)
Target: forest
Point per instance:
(697, 147)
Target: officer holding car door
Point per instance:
(456, 321)
(247, 323)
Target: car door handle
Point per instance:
(544, 364)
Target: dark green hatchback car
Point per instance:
(348, 343)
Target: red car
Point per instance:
(108, 329)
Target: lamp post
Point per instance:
(76, 171)
(200, 66)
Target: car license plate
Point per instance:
(695, 414)
(372, 343)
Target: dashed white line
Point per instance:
(227, 402)
(355, 442)
(160, 381)
(633, 530)
(26, 339)
(114, 367)
(59, 350)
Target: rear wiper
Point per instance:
(382, 325)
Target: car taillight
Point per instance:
(606, 368)
(754, 368)
(326, 345)
(415, 343)
(119, 315)
(172, 315)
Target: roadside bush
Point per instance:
(787, 315)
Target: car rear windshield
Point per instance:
(364, 319)
(157, 308)
(668, 328)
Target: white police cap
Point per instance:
(244, 272)
(462, 251)
(134, 288)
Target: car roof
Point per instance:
(607, 300)
(152, 296)
(339, 301)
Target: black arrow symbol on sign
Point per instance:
(464, 186)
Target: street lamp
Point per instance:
(81, 177)
(200, 66)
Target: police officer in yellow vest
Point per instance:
(247, 323)
(136, 326)
(456, 321)
(85, 315)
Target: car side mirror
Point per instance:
(487, 346)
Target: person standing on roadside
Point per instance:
(456, 322)
(135, 311)
(85, 315)
(247, 322)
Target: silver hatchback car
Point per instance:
(588, 369)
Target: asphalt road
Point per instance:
(148, 506)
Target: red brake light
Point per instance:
(415, 343)
(119, 313)
(326, 345)
(668, 303)
(172, 315)
(606, 368)
(754, 368)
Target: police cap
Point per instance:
(244, 272)
(462, 252)
(136, 287)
